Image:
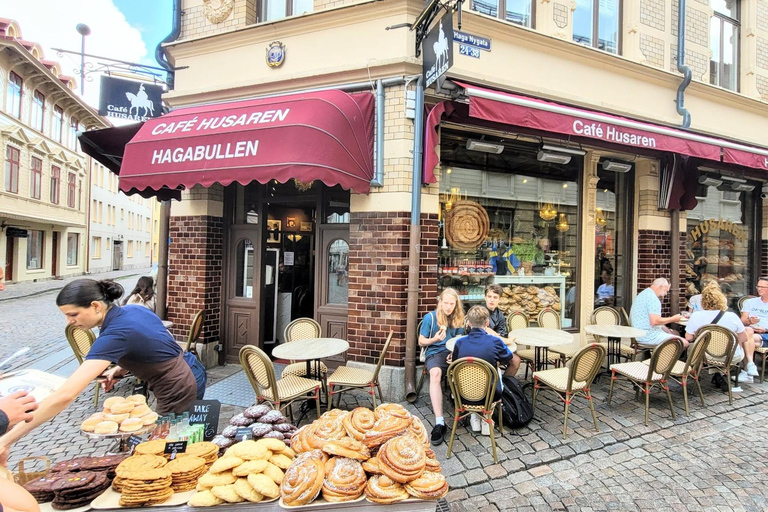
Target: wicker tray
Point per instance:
(467, 225)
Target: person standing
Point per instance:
(646, 314)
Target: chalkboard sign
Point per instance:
(132, 442)
(244, 434)
(175, 447)
(207, 413)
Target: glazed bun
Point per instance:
(149, 418)
(137, 399)
(131, 425)
(123, 407)
(90, 424)
(105, 427)
(140, 410)
(116, 417)
(109, 402)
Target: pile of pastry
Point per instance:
(382, 454)
(262, 420)
(529, 299)
(249, 471)
(121, 414)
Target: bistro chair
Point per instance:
(744, 299)
(195, 329)
(279, 393)
(718, 357)
(473, 384)
(625, 317)
(347, 378)
(519, 320)
(645, 376)
(691, 367)
(81, 340)
(303, 329)
(607, 315)
(550, 319)
(573, 381)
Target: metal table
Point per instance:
(509, 342)
(312, 349)
(614, 333)
(541, 339)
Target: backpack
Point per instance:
(516, 410)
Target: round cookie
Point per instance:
(230, 431)
(250, 466)
(256, 411)
(273, 445)
(264, 485)
(240, 421)
(204, 499)
(272, 417)
(274, 473)
(225, 464)
(260, 429)
(216, 479)
(227, 493)
(246, 491)
(274, 435)
(222, 442)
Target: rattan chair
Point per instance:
(720, 352)
(624, 317)
(81, 340)
(550, 319)
(690, 368)
(573, 381)
(347, 378)
(744, 299)
(473, 381)
(303, 329)
(606, 315)
(647, 376)
(280, 393)
(519, 320)
(194, 332)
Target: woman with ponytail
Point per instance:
(132, 337)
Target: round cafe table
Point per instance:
(541, 339)
(509, 342)
(614, 333)
(312, 349)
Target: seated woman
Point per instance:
(143, 294)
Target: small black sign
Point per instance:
(140, 388)
(129, 99)
(132, 442)
(16, 233)
(175, 447)
(437, 49)
(244, 434)
(207, 413)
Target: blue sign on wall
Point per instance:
(470, 51)
(468, 39)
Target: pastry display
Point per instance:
(74, 490)
(303, 481)
(345, 480)
(145, 487)
(263, 421)
(80, 487)
(121, 414)
(529, 299)
(384, 490)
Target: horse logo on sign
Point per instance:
(441, 48)
(140, 100)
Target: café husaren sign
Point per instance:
(612, 133)
(216, 151)
(129, 99)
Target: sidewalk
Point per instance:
(29, 288)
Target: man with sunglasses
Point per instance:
(754, 314)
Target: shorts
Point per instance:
(764, 338)
(654, 337)
(437, 360)
(198, 370)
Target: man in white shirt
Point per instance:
(605, 291)
(646, 314)
(754, 314)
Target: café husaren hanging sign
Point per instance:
(437, 49)
(129, 99)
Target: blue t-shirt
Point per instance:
(646, 303)
(136, 333)
(429, 328)
(482, 345)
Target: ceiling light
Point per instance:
(484, 147)
(709, 181)
(616, 166)
(563, 149)
(553, 158)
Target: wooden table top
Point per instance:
(313, 348)
(542, 337)
(509, 342)
(615, 331)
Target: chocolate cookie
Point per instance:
(241, 421)
(260, 429)
(41, 488)
(257, 411)
(70, 465)
(274, 435)
(230, 431)
(272, 417)
(75, 481)
(222, 442)
(283, 427)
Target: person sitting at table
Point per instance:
(714, 310)
(605, 291)
(754, 315)
(488, 347)
(497, 322)
(694, 303)
(646, 314)
(438, 326)
(143, 294)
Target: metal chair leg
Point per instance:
(728, 381)
(701, 394)
(567, 407)
(373, 395)
(381, 395)
(453, 432)
(610, 392)
(330, 396)
(592, 408)
(762, 373)
(96, 389)
(669, 398)
(647, 399)
(684, 383)
(489, 418)
(317, 401)
(501, 422)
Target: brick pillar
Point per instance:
(378, 273)
(763, 260)
(195, 275)
(654, 261)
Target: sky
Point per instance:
(127, 30)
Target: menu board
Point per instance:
(39, 384)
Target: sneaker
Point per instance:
(752, 370)
(736, 389)
(438, 433)
(486, 429)
(475, 421)
(743, 375)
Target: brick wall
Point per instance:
(654, 260)
(764, 258)
(195, 275)
(378, 273)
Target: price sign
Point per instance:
(207, 413)
(244, 434)
(132, 442)
(175, 447)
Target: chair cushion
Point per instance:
(677, 370)
(291, 387)
(300, 369)
(347, 376)
(528, 354)
(557, 378)
(635, 370)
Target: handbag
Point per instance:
(423, 353)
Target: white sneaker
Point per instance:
(486, 430)
(752, 370)
(475, 422)
(736, 389)
(744, 376)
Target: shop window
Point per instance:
(73, 248)
(270, 10)
(724, 44)
(244, 269)
(596, 24)
(71, 189)
(12, 163)
(35, 177)
(57, 123)
(13, 95)
(35, 246)
(96, 247)
(519, 12)
(38, 110)
(338, 276)
(720, 238)
(55, 183)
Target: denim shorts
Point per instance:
(437, 360)
(764, 338)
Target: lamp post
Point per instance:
(83, 30)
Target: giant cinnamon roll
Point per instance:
(384, 490)
(429, 486)
(344, 479)
(384, 429)
(359, 421)
(302, 481)
(417, 429)
(402, 459)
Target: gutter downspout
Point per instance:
(160, 55)
(162, 260)
(378, 180)
(412, 310)
(681, 67)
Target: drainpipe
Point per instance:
(415, 248)
(162, 260)
(160, 54)
(681, 67)
(378, 180)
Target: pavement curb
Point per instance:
(55, 288)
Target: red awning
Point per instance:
(535, 114)
(326, 136)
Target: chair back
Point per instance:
(382, 354)
(696, 355)
(585, 365)
(260, 371)
(194, 331)
(80, 340)
(722, 342)
(625, 317)
(664, 357)
(516, 320)
(605, 315)
(472, 381)
(301, 329)
(744, 299)
(549, 319)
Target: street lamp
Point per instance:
(83, 30)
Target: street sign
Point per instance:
(129, 99)
(437, 51)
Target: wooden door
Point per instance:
(55, 255)
(243, 289)
(332, 282)
(117, 256)
(10, 250)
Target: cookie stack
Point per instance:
(121, 414)
(145, 487)
(263, 421)
(153, 447)
(77, 489)
(249, 471)
(41, 488)
(133, 464)
(185, 471)
(207, 451)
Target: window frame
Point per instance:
(38, 107)
(70, 237)
(502, 13)
(57, 120)
(261, 9)
(596, 27)
(55, 184)
(35, 177)
(736, 24)
(11, 173)
(14, 109)
(41, 263)
(71, 189)
(72, 138)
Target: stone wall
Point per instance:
(199, 19)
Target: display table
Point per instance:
(614, 333)
(309, 350)
(541, 339)
(360, 506)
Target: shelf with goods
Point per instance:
(531, 294)
(716, 259)
(468, 272)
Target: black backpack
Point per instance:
(516, 410)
